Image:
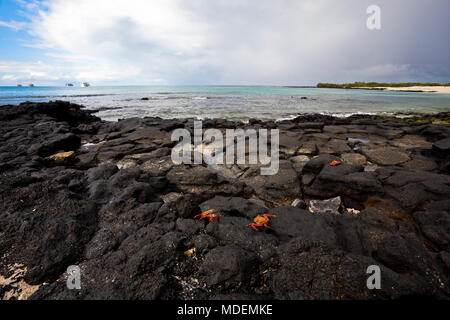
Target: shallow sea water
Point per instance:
(230, 102)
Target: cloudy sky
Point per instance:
(262, 42)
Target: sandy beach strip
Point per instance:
(436, 89)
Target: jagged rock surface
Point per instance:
(123, 212)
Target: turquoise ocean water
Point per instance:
(231, 102)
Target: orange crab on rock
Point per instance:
(261, 220)
(334, 163)
(208, 214)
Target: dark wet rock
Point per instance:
(157, 166)
(290, 142)
(306, 274)
(434, 132)
(307, 148)
(376, 218)
(354, 158)
(231, 264)
(385, 156)
(298, 162)
(442, 145)
(414, 189)
(445, 166)
(188, 226)
(311, 125)
(421, 164)
(445, 258)
(65, 142)
(142, 256)
(293, 222)
(102, 172)
(435, 226)
(411, 142)
(202, 243)
(357, 185)
(198, 175)
(306, 131)
(307, 178)
(56, 235)
(316, 164)
(410, 196)
(203, 181)
(401, 178)
(143, 157)
(230, 172)
(187, 205)
(254, 121)
(334, 129)
(319, 138)
(123, 212)
(387, 133)
(233, 206)
(57, 110)
(340, 170)
(280, 188)
(360, 238)
(335, 147)
(439, 205)
(344, 179)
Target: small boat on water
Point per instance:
(31, 85)
(85, 84)
(19, 85)
(69, 85)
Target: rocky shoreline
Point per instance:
(106, 196)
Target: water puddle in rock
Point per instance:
(88, 145)
(362, 140)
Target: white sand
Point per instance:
(438, 89)
(19, 288)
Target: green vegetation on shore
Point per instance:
(378, 84)
(436, 120)
(440, 118)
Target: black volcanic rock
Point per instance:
(56, 110)
(442, 146)
(435, 226)
(231, 264)
(123, 212)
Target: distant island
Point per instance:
(379, 84)
(405, 86)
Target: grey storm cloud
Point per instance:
(244, 42)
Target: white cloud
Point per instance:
(195, 41)
(15, 25)
(36, 71)
(221, 41)
(61, 71)
(30, 5)
(9, 77)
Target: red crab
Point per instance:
(261, 220)
(334, 163)
(208, 214)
